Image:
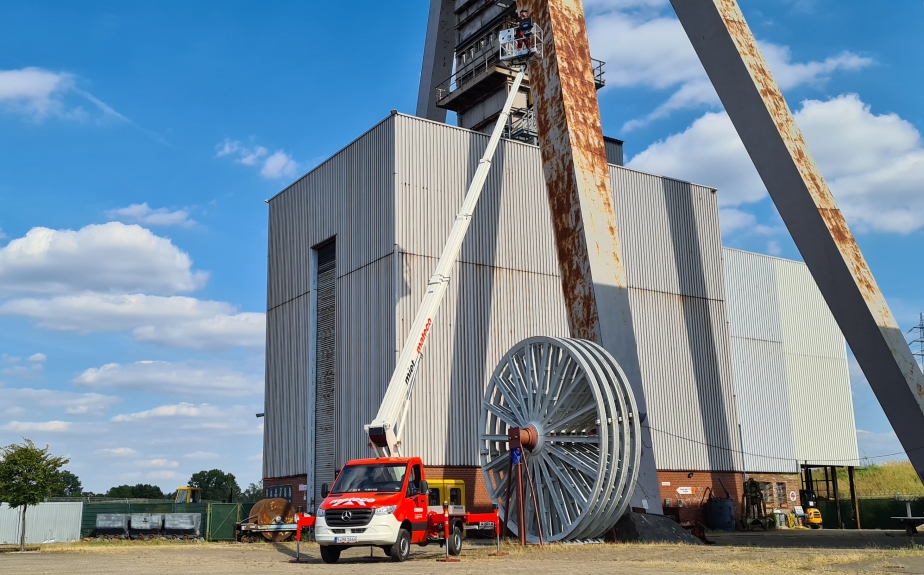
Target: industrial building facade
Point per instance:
(734, 347)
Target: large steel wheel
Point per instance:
(583, 455)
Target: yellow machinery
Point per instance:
(188, 495)
(813, 518)
(450, 491)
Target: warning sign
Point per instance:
(792, 495)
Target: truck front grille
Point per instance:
(348, 517)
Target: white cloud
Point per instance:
(157, 463)
(3, 236)
(735, 220)
(111, 257)
(72, 403)
(174, 321)
(144, 214)
(38, 357)
(117, 452)
(37, 426)
(645, 46)
(181, 379)
(168, 411)
(33, 371)
(38, 94)
(201, 455)
(709, 152)
(162, 475)
(217, 332)
(273, 166)
(33, 91)
(874, 164)
(279, 165)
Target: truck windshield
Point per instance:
(370, 478)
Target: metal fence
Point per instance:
(218, 519)
(45, 523)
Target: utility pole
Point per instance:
(920, 341)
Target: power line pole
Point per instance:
(920, 341)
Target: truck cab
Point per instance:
(378, 502)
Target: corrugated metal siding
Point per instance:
(614, 153)
(510, 289)
(45, 523)
(353, 190)
(486, 311)
(366, 352)
(687, 377)
(351, 195)
(670, 234)
(287, 379)
(816, 369)
(759, 365)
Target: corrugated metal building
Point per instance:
(45, 523)
(790, 363)
(352, 245)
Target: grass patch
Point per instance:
(883, 480)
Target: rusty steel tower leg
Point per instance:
(581, 199)
(764, 122)
(437, 60)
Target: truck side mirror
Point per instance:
(325, 490)
(424, 488)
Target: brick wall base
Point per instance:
(776, 496)
(298, 497)
(687, 506)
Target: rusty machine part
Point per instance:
(275, 511)
(575, 415)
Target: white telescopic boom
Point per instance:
(384, 430)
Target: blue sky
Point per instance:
(139, 141)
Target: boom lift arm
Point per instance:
(385, 430)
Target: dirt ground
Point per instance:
(746, 553)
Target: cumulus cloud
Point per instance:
(111, 257)
(117, 452)
(37, 426)
(72, 403)
(38, 357)
(38, 94)
(157, 463)
(218, 332)
(272, 166)
(175, 321)
(144, 214)
(181, 379)
(874, 164)
(645, 46)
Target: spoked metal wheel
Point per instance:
(583, 445)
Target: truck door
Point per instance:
(418, 514)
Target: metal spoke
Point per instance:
(585, 464)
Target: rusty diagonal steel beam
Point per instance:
(581, 199)
(727, 48)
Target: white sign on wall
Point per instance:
(685, 491)
(792, 496)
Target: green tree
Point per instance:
(253, 493)
(67, 485)
(27, 476)
(139, 491)
(216, 485)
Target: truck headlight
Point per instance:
(320, 513)
(385, 510)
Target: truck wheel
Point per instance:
(455, 540)
(402, 546)
(330, 554)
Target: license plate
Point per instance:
(486, 525)
(345, 539)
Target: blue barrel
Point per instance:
(720, 514)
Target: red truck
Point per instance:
(386, 503)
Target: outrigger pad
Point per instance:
(650, 528)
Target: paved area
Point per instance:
(744, 553)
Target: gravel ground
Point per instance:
(780, 552)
